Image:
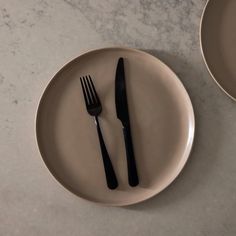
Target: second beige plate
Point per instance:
(218, 43)
(162, 122)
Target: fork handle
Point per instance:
(111, 179)
(131, 164)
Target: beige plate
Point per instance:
(162, 122)
(218, 43)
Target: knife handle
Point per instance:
(131, 164)
(111, 179)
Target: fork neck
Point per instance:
(96, 120)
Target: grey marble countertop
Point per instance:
(36, 39)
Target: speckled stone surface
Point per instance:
(36, 39)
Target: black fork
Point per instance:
(94, 108)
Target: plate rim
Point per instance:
(70, 189)
(203, 54)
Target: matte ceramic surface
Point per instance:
(162, 122)
(218, 43)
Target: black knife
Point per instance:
(122, 113)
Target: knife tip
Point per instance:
(121, 60)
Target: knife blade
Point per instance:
(122, 113)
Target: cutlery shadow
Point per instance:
(208, 134)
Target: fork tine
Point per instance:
(94, 90)
(91, 89)
(87, 91)
(84, 92)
